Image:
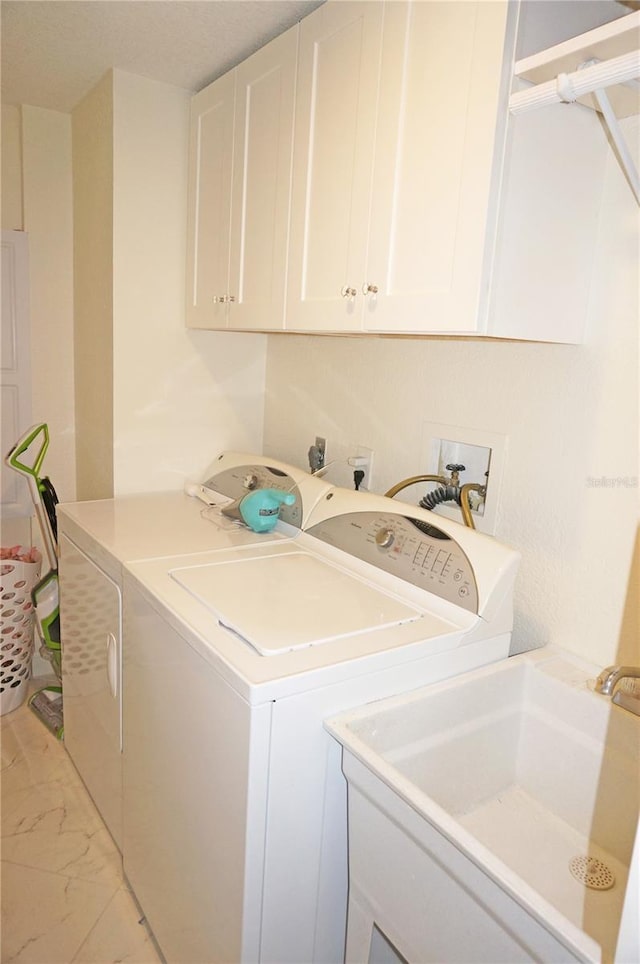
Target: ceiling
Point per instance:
(55, 51)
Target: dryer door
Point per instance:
(90, 615)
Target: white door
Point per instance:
(15, 384)
(263, 145)
(209, 218)
(440, 96)
(333, 148)
(90, 614)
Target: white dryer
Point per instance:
(95, 539)
(235, 831)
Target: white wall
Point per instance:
(92, 122)
(570, 414)
(155, 403)
(11, 183)
(47, 186)
(179, 397)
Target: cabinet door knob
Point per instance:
(348, 292)
(369, 289)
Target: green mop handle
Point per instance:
(31, 472)
(25, 443)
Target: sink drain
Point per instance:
(592, 873)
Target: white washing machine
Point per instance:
(235, 804)
(96, 538)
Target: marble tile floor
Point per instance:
(64, 897)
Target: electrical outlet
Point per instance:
(317, 454)
(362, 458)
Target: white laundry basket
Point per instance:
(17, 579)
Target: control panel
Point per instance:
(409, 548)
(239, 480)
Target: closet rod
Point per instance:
(569, 87)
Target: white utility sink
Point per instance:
(492, 816)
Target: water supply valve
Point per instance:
(455, 468)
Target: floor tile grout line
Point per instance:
(72, 955)
(56, 873)
(93, 927)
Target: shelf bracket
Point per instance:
(625, 156)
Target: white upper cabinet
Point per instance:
(241, 146)
(396, 127)
(362, 173)
(209, 211)
(339, 60)
(418, 204)
(437, 124)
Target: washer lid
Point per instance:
(280, 603)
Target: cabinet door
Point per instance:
(333, 148)
(440, 96)
(90, 613)
(263, 145)
(211, 157)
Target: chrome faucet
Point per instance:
(607, 684)
(611, 676)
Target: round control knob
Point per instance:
(250, 481)
(384, 538)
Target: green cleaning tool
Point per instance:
(47, 703)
